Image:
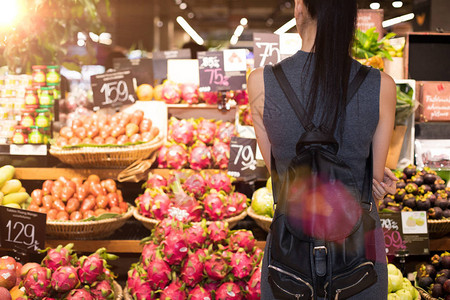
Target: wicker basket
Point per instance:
(106, 156)
(150, 223)
(126, 295)
(424, 295)
(87, 229)
(439, 226)
(118, 292)
(262, 221)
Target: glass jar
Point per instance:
(42, 118)
(56, 89)
(47, 134)
(51, 111)
(31, 97)
(20, 135)
(39, 75)
(46, 96)
(27, 119)
(35, 136)
(53, 76)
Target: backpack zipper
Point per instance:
(357, 267)
(338, 291)
(296, 278)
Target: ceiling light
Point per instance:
(239, 30)
(81, 43)
(94, 37)
(244, 21)
(81, 36)
(234, 39)
(183, 6)
(189, 30)
(397, 20)
(397, 4)
(375, 5)
(269, 22)
(286, 27)
(178, 2)
(191, 15)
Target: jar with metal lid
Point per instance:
(46, 96)
(31, 97)
(27, 119)
(38, 75)
(56, 89)
(35, 136)
(53, 76)
(42, 118)
(20, 135)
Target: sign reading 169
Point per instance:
(115, 91)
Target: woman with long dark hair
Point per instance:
(320, 74)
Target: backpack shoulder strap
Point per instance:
(357, 81)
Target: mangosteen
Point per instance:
(400, 175)
(435, 213)
(446, 213)
(424, 188)
(430, 196)
(443, 272)
(440, 279)
(423, 203)
(436, 260)
(439, 184)
(410, 171)
(399, 195)
(417, 179)
(445, 261)
(441, 193)
(446, 286)
(425, 281)
(437, 290)
(400, 184)
(388, 199)
(447, 190)
(381, 206)
(441, 202)
(412, 188)
(409, 201)
(393, 207)
(406, 208)
(429, 178)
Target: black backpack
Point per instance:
(322, 235)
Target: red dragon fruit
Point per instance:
(211, 286)
(206, 131)
(242, 239)
(160, 206)
(149, 251)
(195, 185)
(218, 231)
(225, 132)
(257, 256)
(241, 97)
(216, 267)
(236, 203)
(58, 257)
(228, 291)
(144, 202)
(164, 228)
(254, 286)
(171, 93)
(158, 273)
(209, 97)
(241, 264)
(220, 181)
(221, 154)
(64, 279)
(245, 116)
(93, 267)
(214, 206)
(37, 282)
(79, 294)
(103, 290)
(176, 156)
(199, 293)
(174, 291)
(175, 248)
(138, 284)
(196, 235)
(200, 156)
(192, 270)
(182, 131)
(155, 181)
(134, 277)
(162, 161)
(189, 93)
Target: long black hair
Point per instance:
(331, 58)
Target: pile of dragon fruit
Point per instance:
(191, 196)
(196, 261)
(62, 275)
(197, 144)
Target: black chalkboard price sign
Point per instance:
(242, 163)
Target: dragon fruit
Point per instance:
(257, 256)
(195, 185)
(102, 290)
(228, 291)
(192, 270)
(196, 235)
(216, 267)
(155, 181)
(200, 156)
(165, 227)
(225, 132)
(209, 97)
(64, 279)
(93, 267)
(37, 282)
(174, 291)
(176, 156)
(160, 206)
(220, 181)
(236, 203)
(175, 248)
(79, 294)
(211, 286)
(58, 257)
(241, 97)
(241, 264)
(254, 286)
(138, 284)
(149, 251)
(221, 154)
(158, 273)
(218, 231)
(245, 116)
(189, 93)
(162, 161)
(182, 131)
(214, 206)
(242, 239)
(199, 293)
(144, 202)
(171, 93)
(206, 131)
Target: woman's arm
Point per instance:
(255, 89)
(383, 132)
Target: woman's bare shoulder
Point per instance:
(256, 88)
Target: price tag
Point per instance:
(242, 163)
(266, 48)
(21, 229)
(28, 149)
(113, 89)
(160, 59)
(141, 68)
(405, 231)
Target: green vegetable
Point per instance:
(367, 45)
(405, 104)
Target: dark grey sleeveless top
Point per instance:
(284, 129)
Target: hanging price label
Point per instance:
(266, 47)
(113, 89)
(160, 59)
(21, 229)
(242, 163)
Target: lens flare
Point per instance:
(9, 10)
